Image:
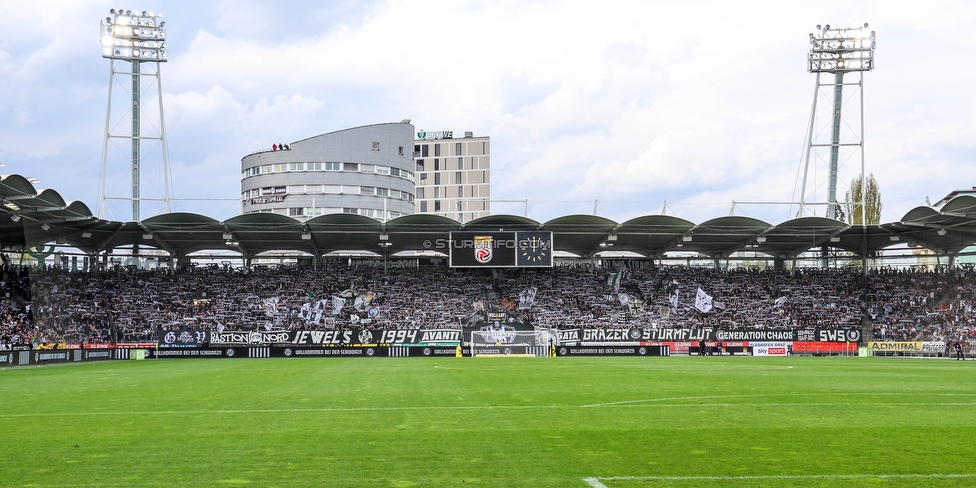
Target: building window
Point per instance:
(460, 163)
(350, 210)
(437, 192)
(367, 168)
(334, 189)
(280, 167)
(296, 166)
(330, 166)
(376, 146)
(400, 151)
(423, 206)
(296, 212)
(382, 192)
(424, 150)
(437, 205)
(420, 192)
(437, 178)
(460, 193)
(457, 178)
(367, 190)
(420, 165)
(437, 150)
(382, 170)
(459, 206)
(350, 167)
(423, 178)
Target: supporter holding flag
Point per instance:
(614, 280)
(703, 301)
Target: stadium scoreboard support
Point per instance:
(501, 249)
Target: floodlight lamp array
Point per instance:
(134, 36)
(840, 50)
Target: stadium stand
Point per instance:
(129, 305)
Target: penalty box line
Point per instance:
(597, 482)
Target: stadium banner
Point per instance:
(6, 358)
(883, 347)
(569, 337)
(613, 351)
(334, 352)
(805, 335)
(770, 348)
(339, 338)
(933, 347)
(43, 357)
(202, 352)
(816, 347)
(98, 354)
(182, 338)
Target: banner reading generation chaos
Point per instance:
(500, 249)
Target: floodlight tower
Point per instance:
(837, 51)
(138, 37)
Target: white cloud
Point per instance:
(629, 103)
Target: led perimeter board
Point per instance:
(502, 249)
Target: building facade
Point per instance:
(453, 175)
(364, 170)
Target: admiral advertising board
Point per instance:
(895, 347)
(500, 249)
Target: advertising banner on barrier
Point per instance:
(883, 347)
(770, 348)
(806, 348)
(612, 351)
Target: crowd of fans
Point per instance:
(51, 305)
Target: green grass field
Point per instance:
(567, 422)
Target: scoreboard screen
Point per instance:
(501, 249)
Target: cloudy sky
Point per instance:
(621, 106)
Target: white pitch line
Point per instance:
(596, 482)
(470, 407)
(763, 395)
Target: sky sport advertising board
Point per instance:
(500, 249)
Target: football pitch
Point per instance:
(566, 422)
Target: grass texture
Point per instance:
(560, 422)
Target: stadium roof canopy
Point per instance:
(30, 218)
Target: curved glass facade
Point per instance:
(364, 170)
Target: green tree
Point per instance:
(872, 201)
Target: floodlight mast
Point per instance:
(838, 51)
(137, 37)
